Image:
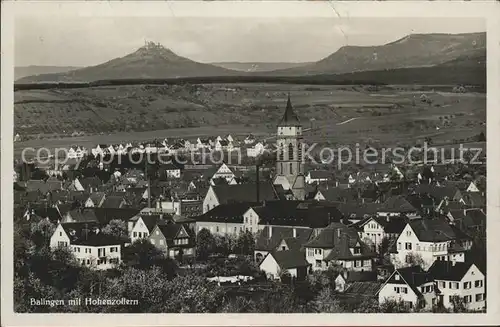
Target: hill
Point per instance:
(259, 66)
(23, 71)
(415, 50)
(150, 61)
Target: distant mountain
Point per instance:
(259, 66)
(465, 70)
(23, 71)
(415, 50)
(150, 61)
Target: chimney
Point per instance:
(294, 232)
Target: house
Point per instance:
(338, 245)
(412, 285)
(250, 139)
(346, 278)
(173, 239)
(292, 262)
(429, 240)
(221, 194)
(374, 229)
(256, 150)
(90, 247)
(114, 201)
(397, 205)
(290, 213)
(95, 200)
(80, 215)
(461, 279)
(142, 225)
(318, 176)
(225, 173)
(470, 221)
(473, 200)
(171, 171)
(280, 238)
(224, 219)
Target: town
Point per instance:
(271, 233)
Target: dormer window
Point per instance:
(357, 250)
(396, 277)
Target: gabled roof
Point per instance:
(96, 197)
(88, 182)
(448, 270)
(83, 215)
(88, 234)
(105, 215)
(390, 226)
(268, 241)
(333, 235)
(151, 221)
(432, 230)
(320, 174)
(360, 276)
(474, 199)
(171, 231)
(244, 192)
(397, 203)
(297, 213)
(290, 259)
(229, 212)
(363, 288)
(43, 186)
(113, 201)
(290, 118)
(414, 276)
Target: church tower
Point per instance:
(289, 163)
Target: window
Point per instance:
(478, 283)
(135, 234)
(442, 284)
(217, 229)
(60, 233)
(113, 260)
(290, 153)
(367, 263)
(408, 259)
(399, 245)
(408, 233)
(310, 252)
(479, 297)
(357, 250)
(467, 285)
(396, 289)
(152, 241)
(396, 277)
(235, 230)
(161, 242)
(157, 232)
(291, 169)
(454, 285)
(408, 246)
(418, 247)
(404, 290)
(318, 263)
(468, 298)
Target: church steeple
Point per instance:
(290, 118)
(289, 164)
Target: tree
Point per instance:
(116, 228)
(245, 243)
(141, 254)
(394, 306)
(205, 244)
(414, 259)
(384, 246)
(327, 302)
(458, 304)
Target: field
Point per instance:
(382, 115)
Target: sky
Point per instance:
(83, 41)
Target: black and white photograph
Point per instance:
(189, 163)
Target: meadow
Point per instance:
(333, 114)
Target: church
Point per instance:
(289, 161)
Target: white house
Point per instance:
(430, 240)
(141, 226)
(411, 285)
(462, 279)
(256, 150)
(224, 172)
(95, 200)
(374, 229)
(172, 171)
(338, 245)
(77, 186)
(89, 246)
(318, 176)
(250, 139)
(291, 262)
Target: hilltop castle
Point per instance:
(289, 164)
